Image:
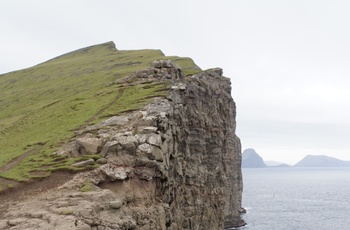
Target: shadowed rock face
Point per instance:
(204, 170)
(175, 164)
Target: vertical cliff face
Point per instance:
(205, 181)
(174, 164)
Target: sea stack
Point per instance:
(250, 159)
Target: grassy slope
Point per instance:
(40, 107)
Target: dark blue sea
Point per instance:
(296, 198)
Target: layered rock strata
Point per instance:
(175, 164)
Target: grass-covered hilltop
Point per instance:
(43, 107)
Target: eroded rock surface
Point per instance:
(175, 164)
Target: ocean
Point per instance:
(296, 198)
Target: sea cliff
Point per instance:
(174, 163)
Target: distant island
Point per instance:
(275, 164)
(321, 161)
(250, 159)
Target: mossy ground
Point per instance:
(87, 187)
(42, 106)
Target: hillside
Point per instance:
(41, 107)
(119, 140)
(321, 161)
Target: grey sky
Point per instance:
(288, 60)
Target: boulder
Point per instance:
(145, 148)
(17, 221)
(147, 129)
(114, 173)
(110, 148)
(128, 144)
(116, 120)
(88, 145)
(154, 140)
(116, 204)
(84, 163)
(102, 161)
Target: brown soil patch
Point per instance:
(21, 191)
(34, 187)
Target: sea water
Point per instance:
(296, 198)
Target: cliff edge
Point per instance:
(173, 164)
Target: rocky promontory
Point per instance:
(175, 163)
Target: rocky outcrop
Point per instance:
(205, 163)
(175, 164)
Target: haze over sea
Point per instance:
(296, 198)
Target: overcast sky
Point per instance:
(288, 61)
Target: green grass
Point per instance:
(87, 186)
(43, 163)
(187, 64)
(67, 212)
(42, 106)
(134, 97)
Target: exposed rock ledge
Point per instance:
(175, 164)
